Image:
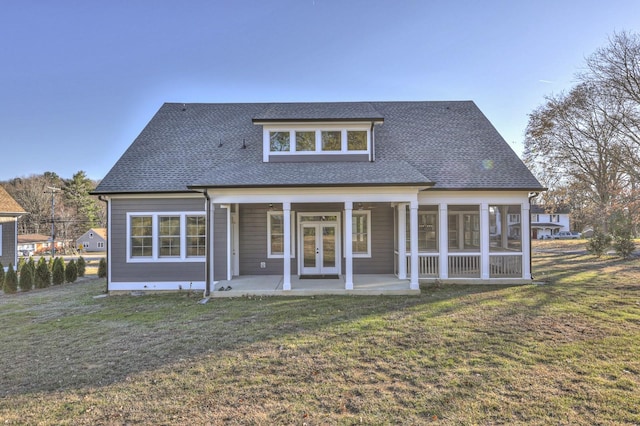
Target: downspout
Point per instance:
(105, 200)
(207, 248)
(207, 251)
(532, 195)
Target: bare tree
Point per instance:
(615, 70)
(574, 145)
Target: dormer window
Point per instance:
(317, 142)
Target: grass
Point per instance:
(566, 352)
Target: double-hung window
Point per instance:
(169, 236)
(141, 236)
(361, 233)
(166, 237)
(275, 234)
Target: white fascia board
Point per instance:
(315, 195)
(473, 197)
(157, 195)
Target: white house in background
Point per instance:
(94, 240)
(547, 222)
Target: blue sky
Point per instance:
(80, 79)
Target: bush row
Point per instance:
(28, 274)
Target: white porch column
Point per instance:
(525, 232)
(415, 271)
(402, 241)
(229, 242)
(443, 240)
(210, 243)
(348, 245)
(484, 240)
(286, 212)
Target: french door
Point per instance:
(319, 248)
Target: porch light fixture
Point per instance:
(270, 206)
(359, 206)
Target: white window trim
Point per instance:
(293, 227)
(355, 254)
(100, 244)
(318, 129)
(155, 238)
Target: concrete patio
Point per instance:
(271, 285)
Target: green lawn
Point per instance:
(566, 352)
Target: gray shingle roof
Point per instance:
(329, 111)
(450, 145)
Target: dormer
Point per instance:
(318, 132)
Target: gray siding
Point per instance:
(253, 239)
(8, 242)
(253, 242)
(121, 271)
(220, 243)
(381, 261)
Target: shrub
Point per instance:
(1, 275)
(598, 244)
(26, 278)
(71, 272)
(82, 266)
(21, 262)
(57, 274)
(10, 281)
(43, 274)
(623, 243)
(102, 268)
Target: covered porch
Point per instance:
(273, 285)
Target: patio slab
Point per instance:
(271, 285)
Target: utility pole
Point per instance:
(53, 190)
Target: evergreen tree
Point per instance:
(26, 278)
(81, 266)
(10, 281)
(599, 243)
(1, 275)
(102, 268)
(71, 272)
(43, 274)
(21, 262)
(57, 274)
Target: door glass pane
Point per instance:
(309, 235)
(328, 246)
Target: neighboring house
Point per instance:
(547, 222)
(10, 211)
(215, 194)
(35, 244)
(95, 239)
